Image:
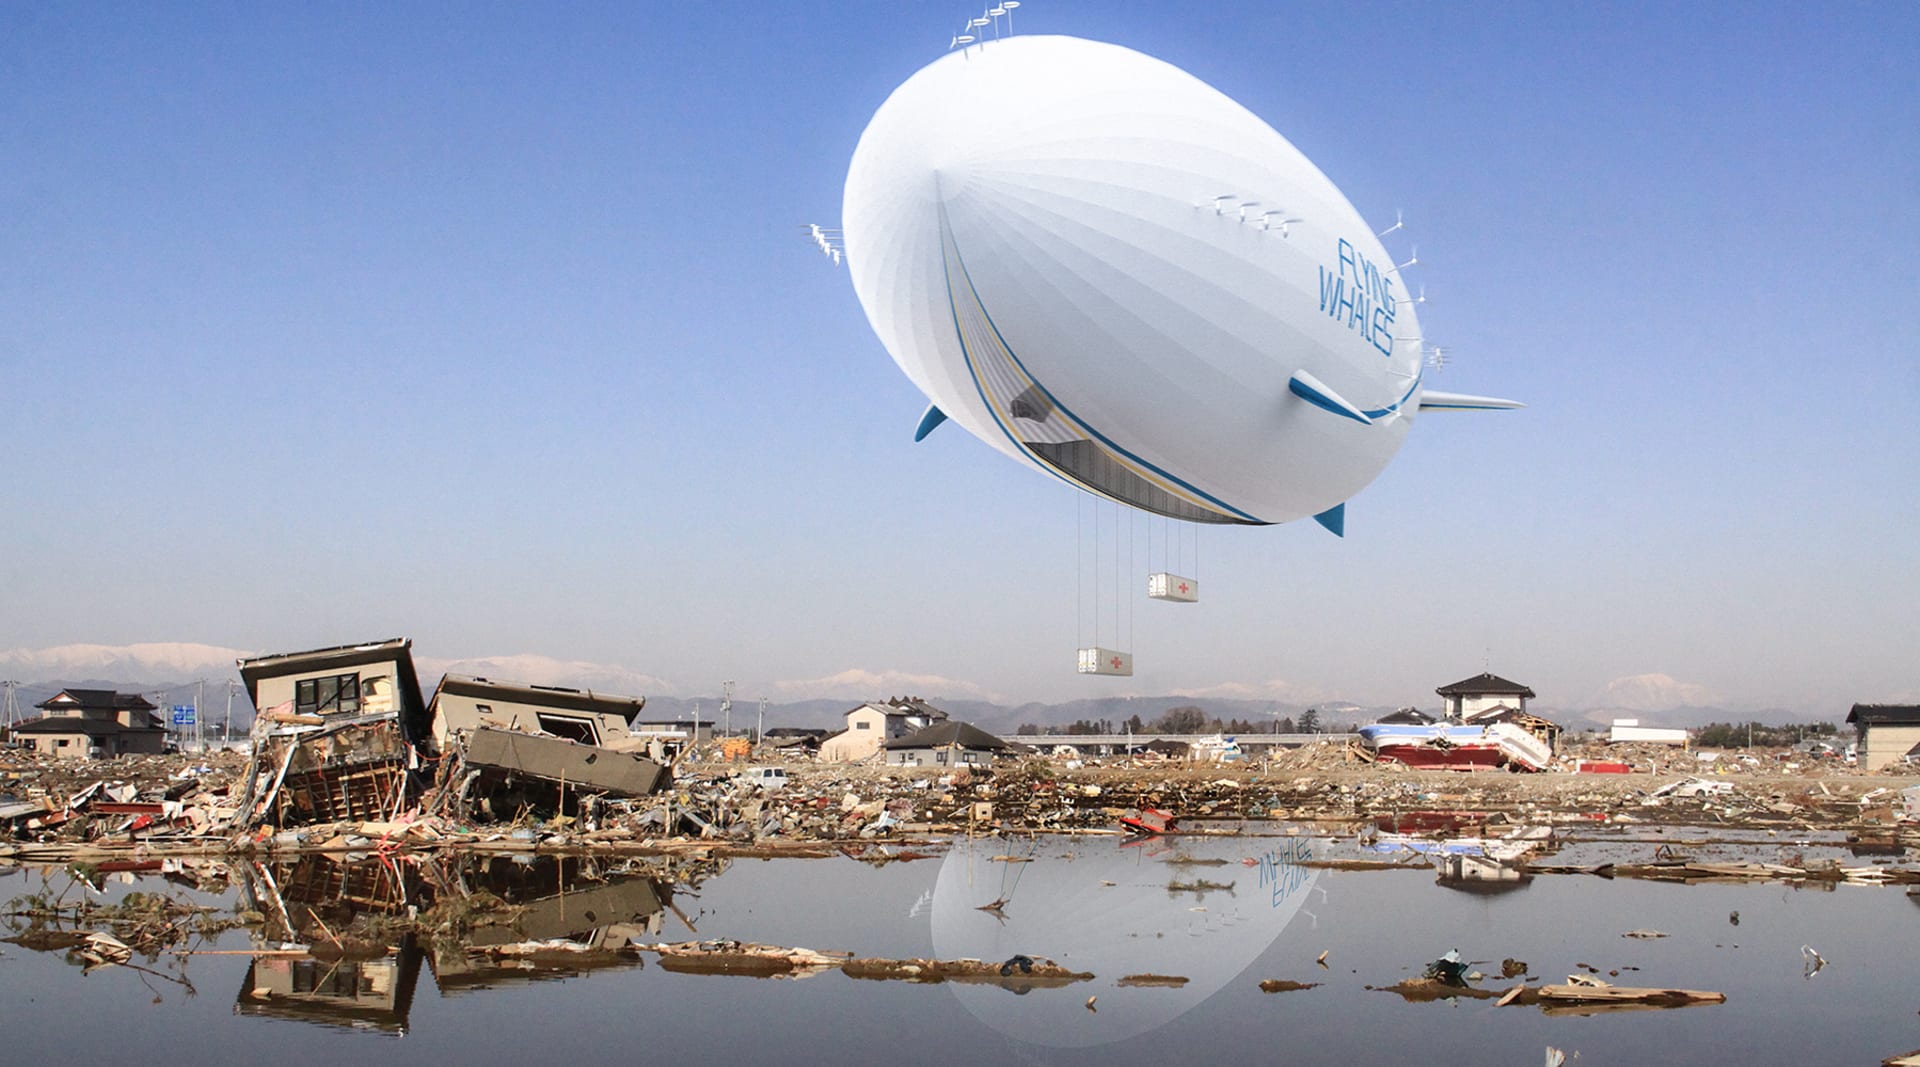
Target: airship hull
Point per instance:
(1115, 274)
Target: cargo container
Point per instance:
(1165, 586)
(1106, 661)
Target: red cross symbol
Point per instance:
(1116, 662)
(1183, 587)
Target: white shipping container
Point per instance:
(1106, 661)
(1165, 586)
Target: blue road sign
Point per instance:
(183, 714)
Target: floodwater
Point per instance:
(1224, 913)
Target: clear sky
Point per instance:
(494, 326)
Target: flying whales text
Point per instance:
(1358, 294)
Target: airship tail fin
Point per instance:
(929, 422)
(1315, 392)
(1463, 402)
(1334, 519)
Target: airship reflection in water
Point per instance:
(1113, 273)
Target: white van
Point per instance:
(769, 779)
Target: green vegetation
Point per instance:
(1741, 735)
(1185, 719)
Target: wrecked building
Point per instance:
(336, 735)
(464, 703)
(499, 774)
(507, 747)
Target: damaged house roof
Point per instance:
(546, 696)
(913, 706)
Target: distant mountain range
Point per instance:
(169, 673)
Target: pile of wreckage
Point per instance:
(347, 754)
(49, 799)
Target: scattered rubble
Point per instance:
(329, 784)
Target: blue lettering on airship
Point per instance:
(1359, 295)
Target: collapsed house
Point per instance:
(338, 736)
(466, 703)
(343, 735)
(507, 747)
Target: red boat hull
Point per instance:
(1446, 758)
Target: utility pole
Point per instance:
(9, 705)
(199, 739)
(760, 730)
(226, 725)
(726, 709)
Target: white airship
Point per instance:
(1115, 274)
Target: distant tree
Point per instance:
(1310, 721)
(1134, 725)
(1285, 726)
(1027, 729)
(1185, 719)
(1758, 734)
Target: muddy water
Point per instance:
(1224, 914)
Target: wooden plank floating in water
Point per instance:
(1601, 993)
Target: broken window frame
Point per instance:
(334, 694)
(570, 727)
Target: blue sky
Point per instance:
(493, 326)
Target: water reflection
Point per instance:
(343, 938)
(373, 994)
(1221, 913)
(1482, 874)
(1172, 908)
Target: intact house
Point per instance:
(1482, 692)
(94, 723)
(949, 743)
(1887, 732)
(870, 726)
(336, 735)
(1485, 699)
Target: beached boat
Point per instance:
(1455, 746)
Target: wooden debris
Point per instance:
(1283, 985)
(1578, 990)
(1038, 972)
(1146, 981)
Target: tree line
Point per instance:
(1739, 734)
(1185, 719)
